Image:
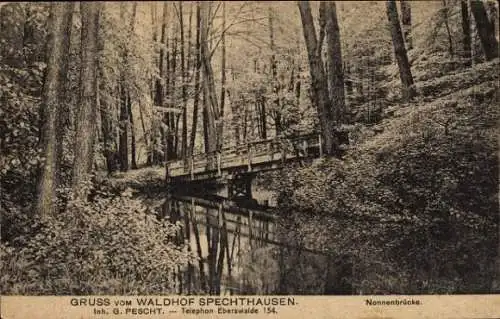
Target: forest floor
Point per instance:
(436, 95)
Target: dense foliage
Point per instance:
(83, 251)
(112, 244)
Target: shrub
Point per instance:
(112, 245)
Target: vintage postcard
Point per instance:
(249, 159)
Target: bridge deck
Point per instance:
(246, 158)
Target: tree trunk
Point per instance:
(144, 131)
(106, 111)
(189, 62)
(274, 74)
(492, 12)
(196, 98)
(485, 29)
(211, 106)
(60, 21)
(131, 117)
(159, 89)
(132, 134)
(235, 122)
(447, 26)
(205, 121)
(348, 79)
(167, 127)
(86, 112)
(406, 22)
(335, 67)
(154, 95)
(106, 128)
(172, 125)
(189, 35)
(400, 52)
(11, 50)
(263, 121)
(319, 94)
(124, 123)
(360, 91)
(184, 89)
(223, 77)
(30, 55)
(466, 34)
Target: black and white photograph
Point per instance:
(249, 148)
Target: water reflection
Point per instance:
(244, 251)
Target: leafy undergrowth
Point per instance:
(111, 245)
(413, 206)
(459, 79)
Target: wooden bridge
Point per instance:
(237, 165)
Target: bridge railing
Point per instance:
(248, 154)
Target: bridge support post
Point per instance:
(320, 145)
(240, 186)
(283, 153)
(219, 173)
(249, 159)
(167, 175)
(191, 168)
(270, 148)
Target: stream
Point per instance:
(243, 251)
